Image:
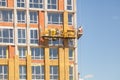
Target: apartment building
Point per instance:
(29, 49)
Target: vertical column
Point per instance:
(61, 64)
(16, 68)
(11, 69)
(61, 4)
(47, 64)
(66, 64)
(65, 23)
(29, 70)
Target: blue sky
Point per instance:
(99, 47)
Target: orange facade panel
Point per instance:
(11, 50)
(6, 24)
(60, 27)
(33, 25)
(38, 61)
(10, 3)
(61, 5)
(21, 25)
(41, 21)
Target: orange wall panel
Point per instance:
(11, 51)
(61, 5)
(10, 3)
(6, 24)
(60, 27)
(33, 25)
(41, 21)
(21, 25)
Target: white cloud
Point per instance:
(88, 76)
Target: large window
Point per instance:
(33, 17)
(3, 52)
(53, 72)
(6, 35)
(22, 72)
(6, 15)
(69, 4)
(55, 18)
(21, 36)
(71, 52)
(53, 53)
(22, 52)
(21, 17)
(20, 3)
(52, 4)
(37, 53)
(3, 72)
(71, 42)
(70, 19)
(57, 42)
(37, 72)
(3, 3)
(34, 36)
(36, 3)
(70, 73)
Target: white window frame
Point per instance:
(52, 74)
(53, 53)
(22, 72)
(3, 1)
(33, 14)
(23, 52)
(33, 38)
(3, 72)
(71, 72)
(52, 16)
(21, 15)
(6, 15)
(57, 42)
(22, 38)
(3, 51)
(71, 42)
(69, 5)
(70, 16)
(21, 3)
(40, 74)
(34, 53)
(39, 3)
(10, 36)
(50, 5)
(71, 53)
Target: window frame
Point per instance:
(71, 53)
(52, 73)
(23, 37)
(57, 42)
(69, 5)
(22, 15)
(55, 18)
(37, 4)
(4, 72)
(35, 74)
(50, 4)
(71, 72)
(23, 53)
(3, 51)
(34, 54)
(21, 3)
(53, 51)
(70, 18)
(3, 1)
(22, 73)
(33, 16)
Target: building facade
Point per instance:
(28, 50)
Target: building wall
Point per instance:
(10, 56)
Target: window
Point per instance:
(69, 4)
(55, 18)
(33, 36)
(6, 15)
(53, 53)
(21, 17)
(71, 42)
(70, 19)
(3, 52)
(22, 72)
(33, 17)
(52, 4)
(71, 51)
(57, 42)
(20, 3)
(3, 72)
(37, 72)
(22, 52)
(37, 53)
(70, 73)
(6, 35)
(36, 3)
(21, 36)
(3, 2)
(53, 72)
